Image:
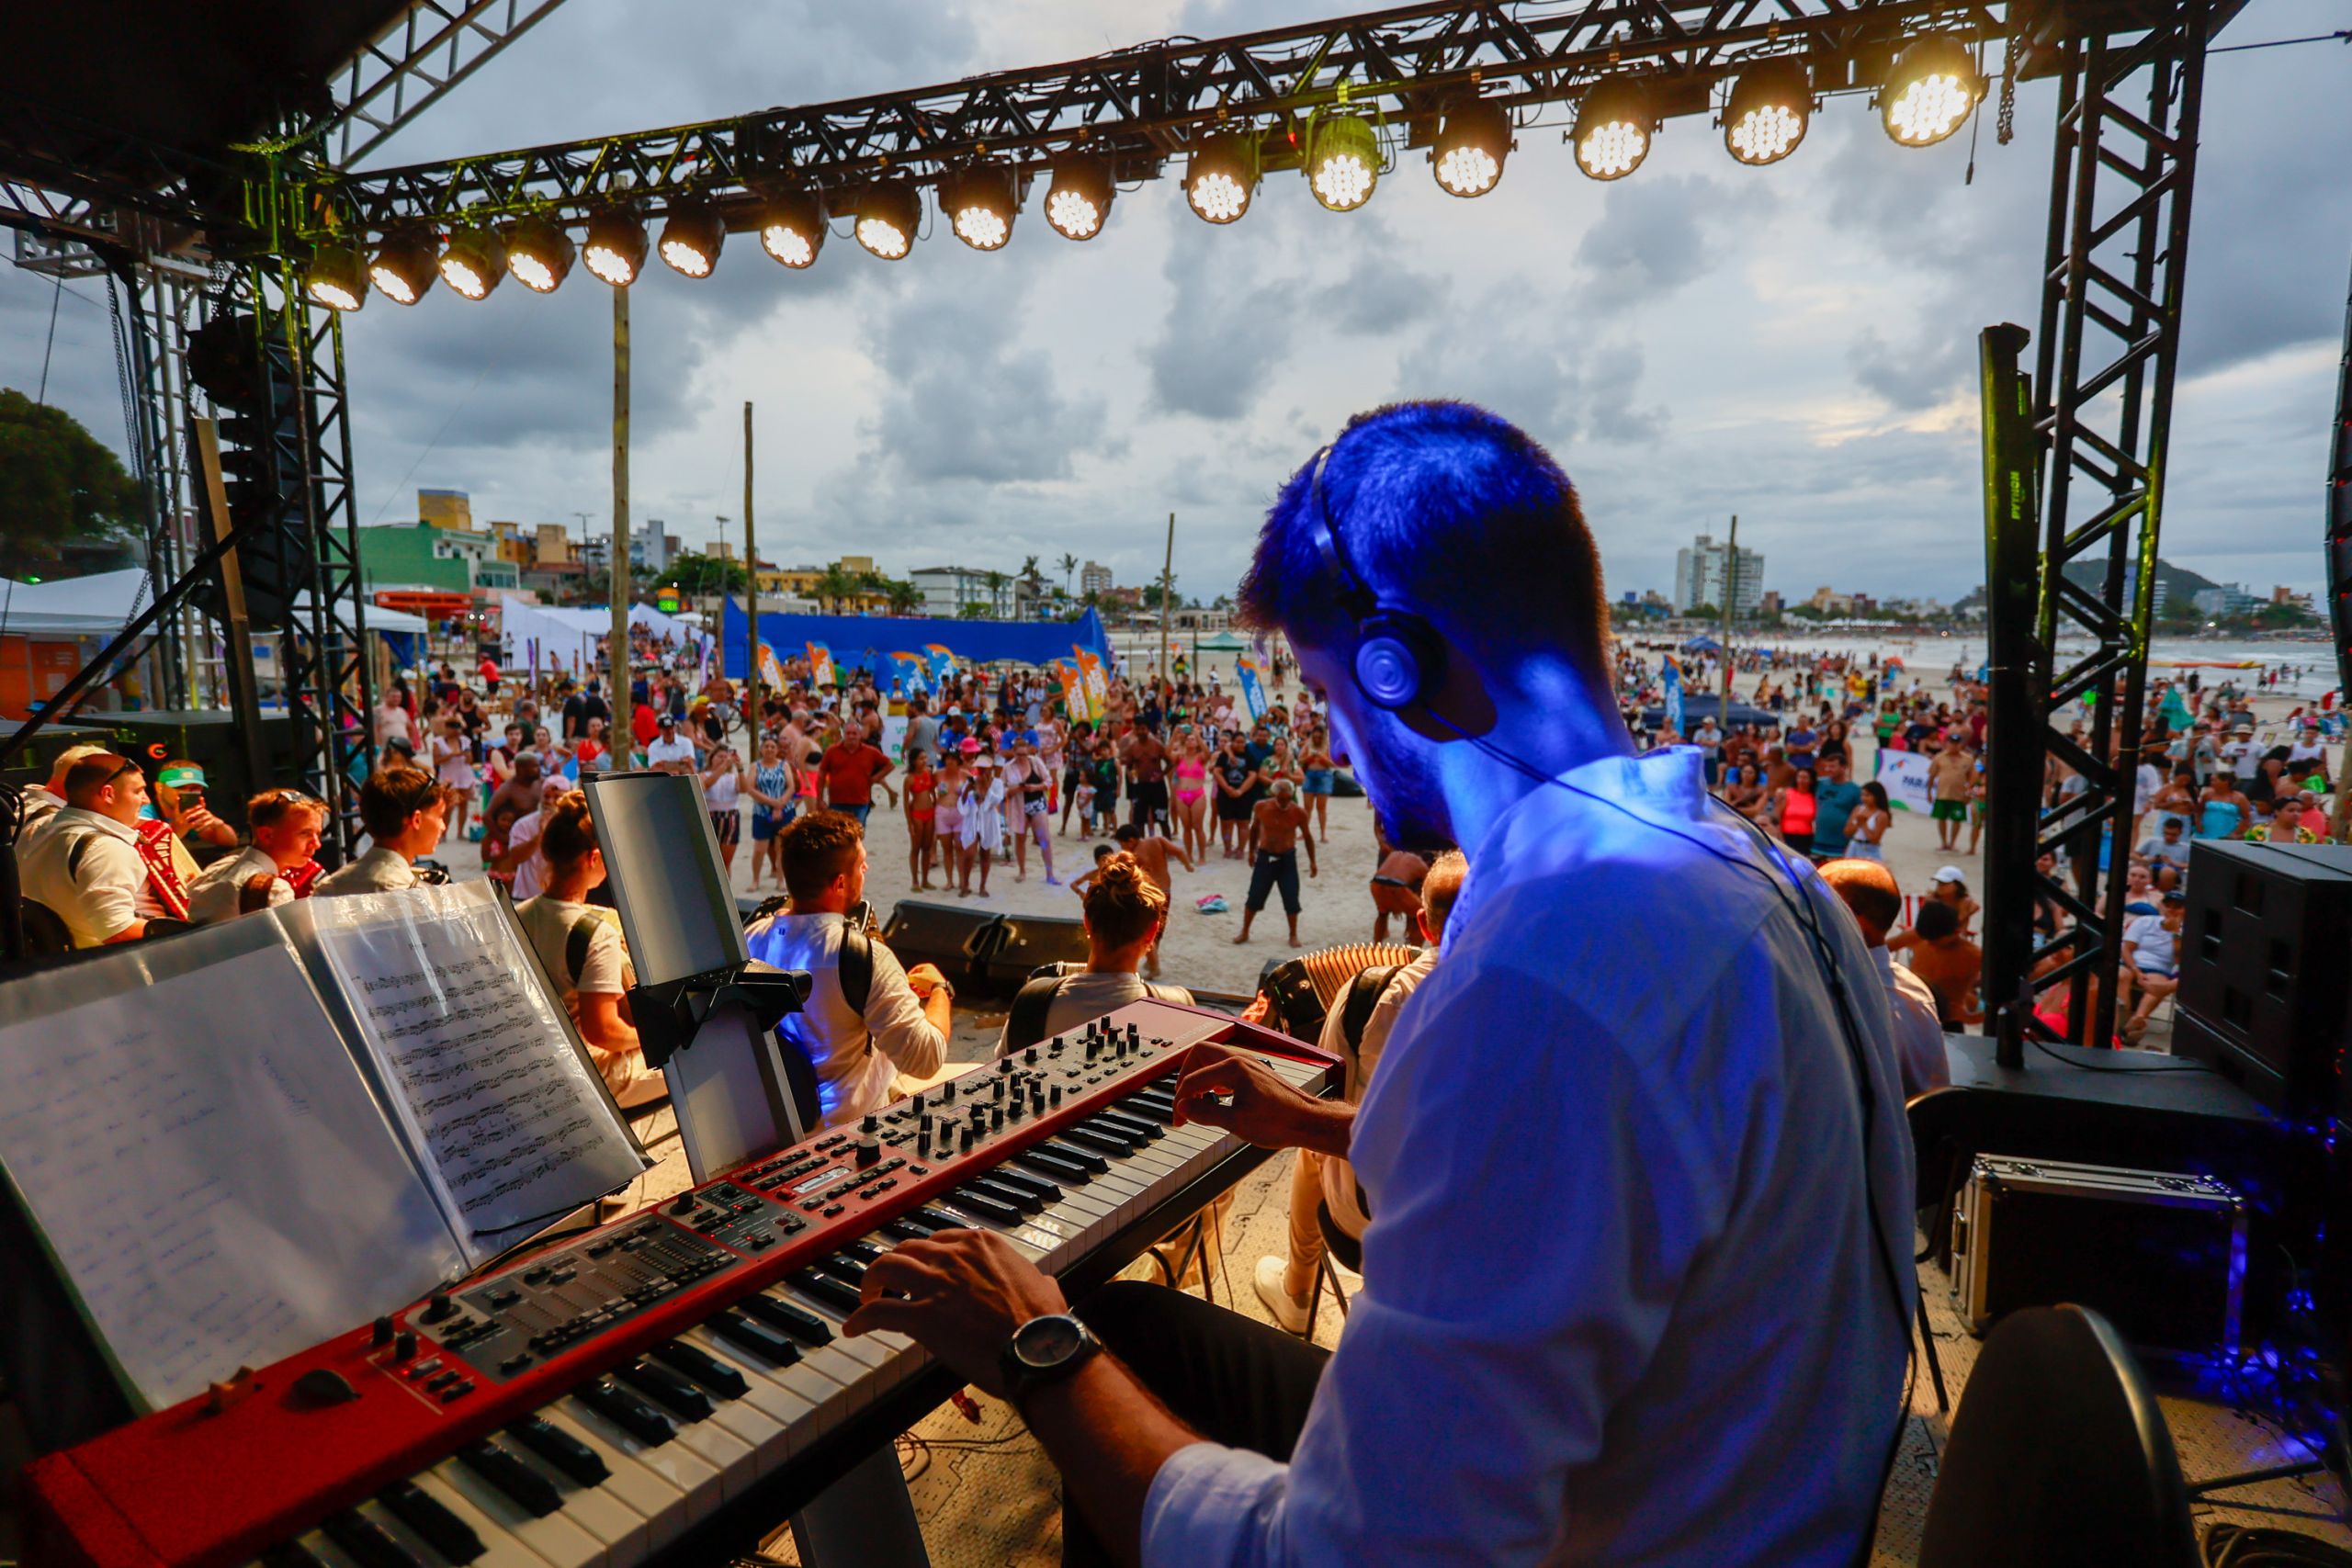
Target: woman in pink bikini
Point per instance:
(948, 814)
(1192, 796)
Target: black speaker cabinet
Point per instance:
(2266, 970)
(983, 955)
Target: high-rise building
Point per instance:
(1093, 578)
(1699, 571)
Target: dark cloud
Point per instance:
(1381, 292)
(1657, 234)
(1226, 326)
(1542, 373)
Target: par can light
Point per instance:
(792, 228)
(337, 278)
(1221, 176)
(404, 267)
(539, 254)
(691, 238)
(1768, 111)
(1614, 124)
(888, 216)
(981, 203)
(1343, 161)
(473, 262)
(1080, 198)
(615, 247)
(1934, 87)
(1471, 146)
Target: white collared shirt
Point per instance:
(1622, 1298)
(378, 871)
(99, 899)
(855, 1057)
(217, 893)
(39, 805)
(1918, 1025)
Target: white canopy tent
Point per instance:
(101, 604)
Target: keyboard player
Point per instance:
(1627, 1295)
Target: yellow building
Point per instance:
(446, 508)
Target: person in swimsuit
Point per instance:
(1028, 807)
(1192, 796)
(1237, 782)
(1867, 827)
(1320, 766)
(2223, 812)
(1794, 811)
(921, 803)
(947, 815)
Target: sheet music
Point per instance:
(209, 1166)
(478, 1059)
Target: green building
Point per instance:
(419, 555)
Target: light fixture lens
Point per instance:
(539, 254)
(615, 247)
(1471, 146)
(888, 216)
(403, 268)
(1221, 176)
(1766, 135)
(473, 262)
(1080, 198)
(792, 229)
(1343, 161)
(691, 240)
(1766, 116)
(1468, 171)
(980, 205)
(1931, 91)
(337, 278)
(1614, 125)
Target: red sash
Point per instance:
(156, 849)
(303, 877)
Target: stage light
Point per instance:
(1768, 111)
(615, 247)
(473, 262)
(1221, 176)
(1080, 198)
(889, 214)
(1614, 124)
(337, 277)
(404, 267)
(1471, 147)
(691, 238)
(1343, 161)
(1931, 91)
(792, 228)
(980, 205)
(539, 254)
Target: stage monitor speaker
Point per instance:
(2265, 987)
(207, 737)
(984, 955)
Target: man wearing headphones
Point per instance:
(1637, 1284)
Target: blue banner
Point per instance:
(1674, 695)
(943, 665)
(1253, 690)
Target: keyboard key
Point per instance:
(526, 1487)
(575, 1459)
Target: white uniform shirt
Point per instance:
(39, 805)
(855, 1057)
(1614, 1155)
(531, 876)
(1918, 1026)
(1084, 997)
(1340, 1188)
(216, 892)
(98, 901)
(378, 871)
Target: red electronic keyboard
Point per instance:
(671, 1385)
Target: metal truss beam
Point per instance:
(1142, 105)
(2125, 161)
(410, 65)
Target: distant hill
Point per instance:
(2181, 585)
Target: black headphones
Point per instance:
(1401, 658)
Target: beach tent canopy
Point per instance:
(99, 606)
(1697, 705)
(864, 640)
(1224, 642)
(1703, 644)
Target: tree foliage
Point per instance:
(58, 486)
(694, 573)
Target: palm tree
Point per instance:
(905, 597)
(997, 581)
(1069, 564)
(834, 585)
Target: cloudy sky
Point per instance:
(1795, 344)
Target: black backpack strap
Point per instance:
(252, 893)
(576, 943)
(1025, 1025)
(856, 967)
(1364, 994)
(73, 856)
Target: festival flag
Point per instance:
(821, 666)
(910, 672)
(1674, 695)
(942, 663)
(770, 666)
(1253, 690)
(1073, 686)
(1098, 686)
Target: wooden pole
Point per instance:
(619, 575)
(1167, 585)
(750, 608)
(1731, 598)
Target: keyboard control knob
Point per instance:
(438, 1307)
(380, 1332)
(869, 1152)
(1054, 1094)
(404, 1345)
(1030, 1056)
(683, 1205)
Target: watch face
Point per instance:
(1046, 1341)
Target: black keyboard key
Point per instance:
(628, 1412)
(988, 1208)
(1045, 1162)
(756, 1338)
(369, 1543)
(1134, 1126)
(704, 1368)
(666, 1389)
(1102, 1140)
(841, 1298)
(293, 1554)
(865, 1251)
(1042, 1190)
(841, 1267)
(1086, 1160)
(905, 1229)
(532, 1492)
(1141, 1109)
(442, 1530)
(574, 1459)
(1004, 1192)
(937, 1219)
(803, 1326)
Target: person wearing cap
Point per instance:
(46, 799)
(852, 767)
(980, 810)
(1948, 887)
(405, 811)
(671, 751)
(277, 868)
(2150, 962)
(97, 865)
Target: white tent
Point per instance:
(97, 605)
(551, 638)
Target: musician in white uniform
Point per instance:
(1637, 1285)
(275, 868)
(405, 811)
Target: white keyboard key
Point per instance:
(552, 1537)
(655, 1496)
(673, 1461)
(599, 1509)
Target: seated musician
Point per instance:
(46, 799)
(1285, 1283)
(1124, 911)
(97, 864)
(275, 868)
(579, 945)
(1635, 1286)
(863, 1057)
(405, 811)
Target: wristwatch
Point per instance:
(1045, 1350)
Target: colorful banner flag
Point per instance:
(1073, 686)
(1674, 695)
(910, 672)
(770, 666)
(821, 666)
(1254, 689)
(942, 663)
(1098, 685)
